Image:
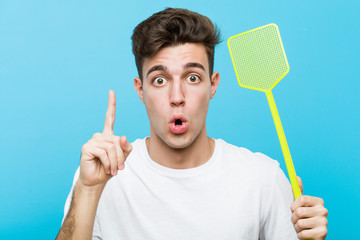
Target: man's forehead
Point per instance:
(188, 55)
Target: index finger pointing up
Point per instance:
(110, 114)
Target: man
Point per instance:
(179, 183)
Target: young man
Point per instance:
(179, 183)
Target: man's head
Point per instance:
(173, 27)
(174, 51)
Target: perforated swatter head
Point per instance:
(259, 58)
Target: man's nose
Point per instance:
(177, 97)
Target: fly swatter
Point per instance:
(260, 63)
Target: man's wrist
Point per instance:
(89, 191)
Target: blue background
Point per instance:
(58, 59)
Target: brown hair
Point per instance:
(171, 27)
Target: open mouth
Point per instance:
(178, 122)
(178, 125)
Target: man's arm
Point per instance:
(79, 221)
(101, 158)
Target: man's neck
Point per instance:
(194, 155)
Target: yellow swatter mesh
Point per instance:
(259, 58)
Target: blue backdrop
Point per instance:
(58, 59)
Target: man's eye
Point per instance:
(193, 78)
(159, 81)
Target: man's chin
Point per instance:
(178, 143)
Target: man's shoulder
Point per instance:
(244, 156)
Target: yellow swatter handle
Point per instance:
(284, 145)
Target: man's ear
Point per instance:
(138, 88)
(215, 79)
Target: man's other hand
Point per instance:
(309, 216)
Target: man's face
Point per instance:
(176, 91)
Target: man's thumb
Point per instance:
(126, 146)
(300, 185)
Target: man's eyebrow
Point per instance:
(165, 69)
(157, 68)
(194, 64)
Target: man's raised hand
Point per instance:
(104, 154)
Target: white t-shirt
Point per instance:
(237, 194)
